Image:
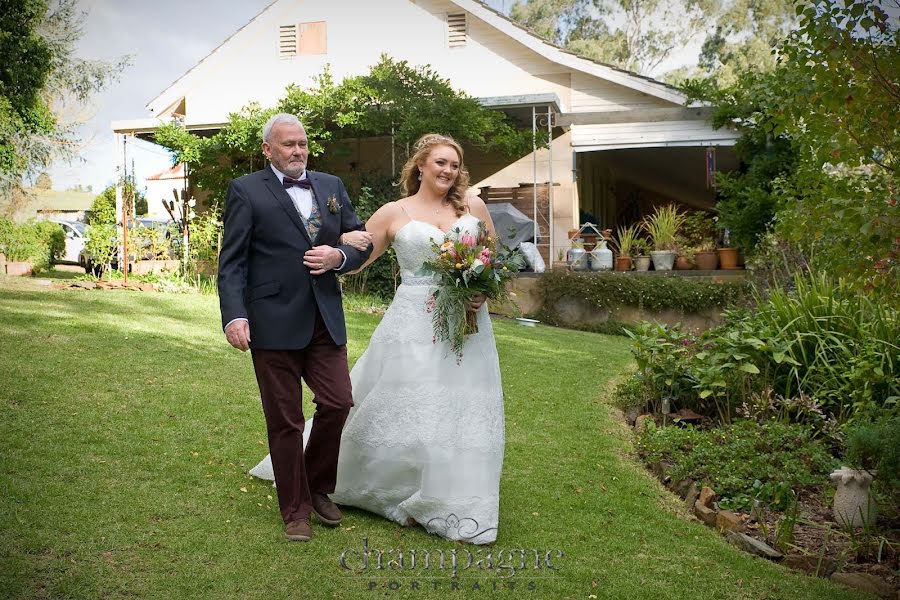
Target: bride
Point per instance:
(424, 441)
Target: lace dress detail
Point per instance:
(425, 438)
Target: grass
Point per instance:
(127, 426)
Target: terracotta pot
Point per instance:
(19, 269)
(623, 263)
(706, 261)
(683, 263)
(728, 258)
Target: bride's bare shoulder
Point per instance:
(389, 211)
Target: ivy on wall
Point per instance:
(608, 290)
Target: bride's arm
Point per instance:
(379, 226)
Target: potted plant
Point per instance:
(624, 245)
(853, 505)
(641, 252)
(705, 256)
(728, 255)
(663, 227)
(684, 259)
(151, 246)
(871, 451)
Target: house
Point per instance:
(621, 142)
(46, 203)
(160, 187)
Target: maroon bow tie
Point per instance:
(290, 182)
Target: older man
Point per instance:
(280, 298)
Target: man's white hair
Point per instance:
(279, 118)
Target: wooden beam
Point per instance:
(647, 115)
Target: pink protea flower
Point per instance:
(467, 240)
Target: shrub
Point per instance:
(38, 242)
(655, 293)
(382, 276)
(875, 446)
(206, 236)
(100, 243)
(731, 458)
(822, 342)
(840, 347)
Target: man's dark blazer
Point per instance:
(261, 273)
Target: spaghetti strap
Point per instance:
(403, 208)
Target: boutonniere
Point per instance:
(334, 207)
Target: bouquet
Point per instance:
(467, 265)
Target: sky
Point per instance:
(165, 38)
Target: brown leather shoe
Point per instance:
(298, 531)
(326, 510)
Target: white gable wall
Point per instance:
(247, 68)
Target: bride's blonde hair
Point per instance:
(409, 177)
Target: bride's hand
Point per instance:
(476, 302)
(358, 239)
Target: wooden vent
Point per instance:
(287, 41)
(313, 38)
(456, 30)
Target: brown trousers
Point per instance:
(323, 365)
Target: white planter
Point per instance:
(853, 505)
(601, 257)
(662, 259)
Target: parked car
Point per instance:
(75, 237)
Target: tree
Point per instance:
(744, 36)
(394, 99)
(103, 209)
(822, 128)
(639, 35)
(40, 80)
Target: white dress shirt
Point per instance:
(301, 197)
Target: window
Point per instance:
(287, 41)
(457, 28)
(313, 38)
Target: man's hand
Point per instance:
(322, 259)
(476, 302)
(238, 334)
(358, 239)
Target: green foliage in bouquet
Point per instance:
(466, 266)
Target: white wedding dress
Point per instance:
(424, 440)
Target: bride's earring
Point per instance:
(420, 175)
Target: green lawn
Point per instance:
(127, 426)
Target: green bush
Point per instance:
(100, 243)
(664, 355)
(875, 446)
(382, 276)
(821, 341)
(605, 290)
(206, 236)
(731, 458)
(839, 346)
(38, 242)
